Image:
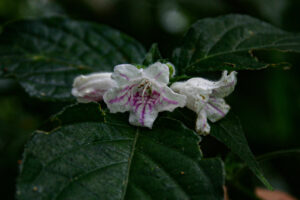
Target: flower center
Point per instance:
(145, 87)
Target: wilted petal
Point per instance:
(225, 85)
(159, 72)
(125, 73)
(216, 109)
(91, 88)
(196, 96)
(202, 126)
(205, 97)
(220, 89)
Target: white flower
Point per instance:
(91, 88)
(206, 98)
(142, 92)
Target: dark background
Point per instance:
(267, 101)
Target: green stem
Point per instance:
(275, 154)
(267, 156)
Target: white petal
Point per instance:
(225, 85)
(143, 116)
(178, 86)
(91, 88)
(220, 89)
(169, 100)
(158, 72)
(202, 126)
(200, 83)
(196, 96)
(119, 99)
(145, 107)
(216, 109)
(125, 73)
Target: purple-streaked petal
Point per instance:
(143, 112)
(119, 99)
(169, 100)
(125, 73)
(158, 72)
(216, 109)
(145, 107)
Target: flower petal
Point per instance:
(144, 115)
(196, 96)
(125, 73)
(169, 100)
(91, 88)
(202, 126)
(225, 85)
(216, 109)
(220, 89)
(145, 107)
(159, 72)
(143, 111)
(119, 99)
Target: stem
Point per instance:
(275, 154)
(267, 156)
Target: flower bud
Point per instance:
(91, 88)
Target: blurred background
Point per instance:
(267, 101)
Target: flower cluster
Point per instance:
(145, 93)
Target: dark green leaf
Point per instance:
(229, 42)
(100, 156)
(229, 131)
(152, 56)
(45, 55)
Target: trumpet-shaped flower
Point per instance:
(206, 98)
(142, 92)
(91, 88)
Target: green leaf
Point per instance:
(100, 156)
(45, 55)
(229, 131)
(152, 56)
(229, 43)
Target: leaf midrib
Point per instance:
(129, 164)
(240, 50)
(255, 167)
